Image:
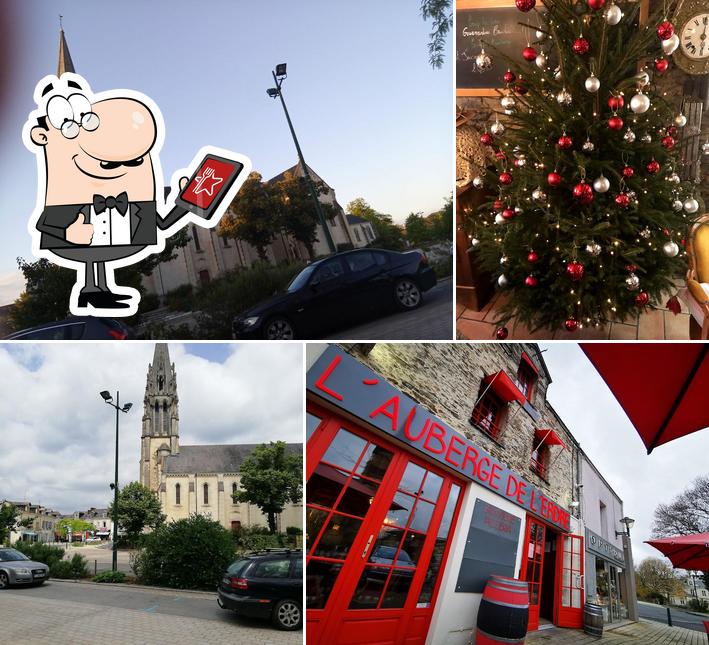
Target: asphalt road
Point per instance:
(679, 618)
(432, 320)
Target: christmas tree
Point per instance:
(590, 215)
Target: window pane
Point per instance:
(375, 462)
(398, 588)
(358, 497)
(399, 510)
(320, 578)
(369, 588)
(448, 513)
(360, 261)
(422, 516)
(324, 485)
(432, 486)
(434, 566)
(312, 422)
(413, 476)
(313, 524)
(386, 546)
(272, 569)
(337, 539)
(298, 568)
(411, 549)
(345, 449)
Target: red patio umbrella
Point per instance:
(685, 551)
(662, 387)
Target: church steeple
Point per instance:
(65, 63)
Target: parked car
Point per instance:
(77, 328)
(336, 290)
(17, 569)
(266, 584)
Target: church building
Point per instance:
(194, 479)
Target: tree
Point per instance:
(10, 520)
(389, 235)
(443, 222)
(68, 526)
(586, 222)
(441, 14)
(138, 509)
(271, 477)
(687, 513)
(417, 229)
(253, 215)
(657, 580)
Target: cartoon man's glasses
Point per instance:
(71, 114)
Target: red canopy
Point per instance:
(548, 437)
(661, 386)
(685, 551)
(504, 387)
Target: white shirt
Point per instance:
(110, 227)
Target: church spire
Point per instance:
(65, 63)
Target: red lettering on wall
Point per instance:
(393, 414)
(512, 486)
(320, 383)
(453, 449)
(407, 426)
(483, 475)
(471, 456)
(520, 492)
(438, 432)
(495, 475)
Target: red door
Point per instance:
(532, 568)
(377, 535)
(570, 588)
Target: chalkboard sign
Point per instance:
(498, 26)
(490, 549)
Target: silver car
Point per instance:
(17, 569)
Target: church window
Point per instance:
(177, 493)
(206, 493)
(233, 491)
(195, 237)
(165, 419)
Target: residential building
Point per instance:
(41, 522)
(362, 231)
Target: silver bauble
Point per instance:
(474, 242)
(483, 61)
(478, 182)
(518, 210)
(643, 78)
(502, 280)
(564, 97)
(705, 148)
(646, 138)
(538, 194)
(680, 120)
(601, 184)
(640, 103)
(507, 102)
(499, 219)
(521, 161)
(674, 178)
(497, 128)
(541, 61)
(691, 205)
(593, 249)
(588, 146)
(632, 282)
(557, 74)
(677, 205)
(539, 34)
(629, 136)
(669, 45)
(504, 260)
(592, 84)
(517, 151)
(670, 249)
(613, 14)
(645, 233)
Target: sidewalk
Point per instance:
(644, 632)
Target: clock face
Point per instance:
(695, 37)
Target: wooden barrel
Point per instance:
(504, 612)
(593, 619)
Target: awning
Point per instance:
(689, 552)
(661, 386)
(547, 436)
(504, 387)
(528, 361)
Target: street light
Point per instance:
(107, 398)
(279, 75)
(628, 525)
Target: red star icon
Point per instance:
(207, 181)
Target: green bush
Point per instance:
(180, 299)
(220, 300)
(293, 530)
(257, 538)
(443, 268)
(148, 302)
(40, 552)
(109, 576)
(70, 569)
(186, 554)
(695, 604)
(161, 331)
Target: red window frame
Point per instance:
(527, 377)
(487, 415)
(539, 461)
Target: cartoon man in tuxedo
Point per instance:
(99, 198)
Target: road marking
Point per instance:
(152, 609)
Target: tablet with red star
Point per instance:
(207, 186)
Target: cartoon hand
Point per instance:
(79, 232)
(183, 182)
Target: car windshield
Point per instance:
(301, 279)
(10, 555)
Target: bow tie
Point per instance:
(120, 202)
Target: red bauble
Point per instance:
(529, 53)
(497, 204)
(622, 200)
(672, 131)
(575, 270)
(596, 4)
(642, 299)
(499, 155)
(532, 256)
(583, 193)
(508, 213)
(509, 78)
(517, 163)
(668, 142)
(531, 281)
(580, 46)
(665, 30)
(501, 333)
(505, 178)
(661, 65)
(486, 139)
(653, 167)
(616, 102)
(565, 142)
(554, 179)
(615, 122)
(628, 172)
(520, 87)
(631, 268)
(525, 5)
(571, 324)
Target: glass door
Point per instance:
(569, 596)
(532, 567)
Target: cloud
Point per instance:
(57, 437)
(12, 284)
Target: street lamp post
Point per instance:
(279, 75)
(629, 568)
(107, 398)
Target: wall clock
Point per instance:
(691, 20)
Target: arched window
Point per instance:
(206, 493)
(234, 488)
(165, 419)
(177, 493)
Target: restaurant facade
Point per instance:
(429, 468)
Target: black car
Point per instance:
(336, 290)
(266, 584)
(77, 328)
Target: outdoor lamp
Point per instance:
(272, 92)
(629, 522)
(281, 69)
(106, 396)
(127, 407)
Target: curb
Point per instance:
(118, 585)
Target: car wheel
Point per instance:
(407, 294)
(279, 328)
(4, 580)
(287, 615)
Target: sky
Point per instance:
(597, 421)
(373, 118)
(57, 436)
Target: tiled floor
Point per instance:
(654, 324)
(640, 633)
